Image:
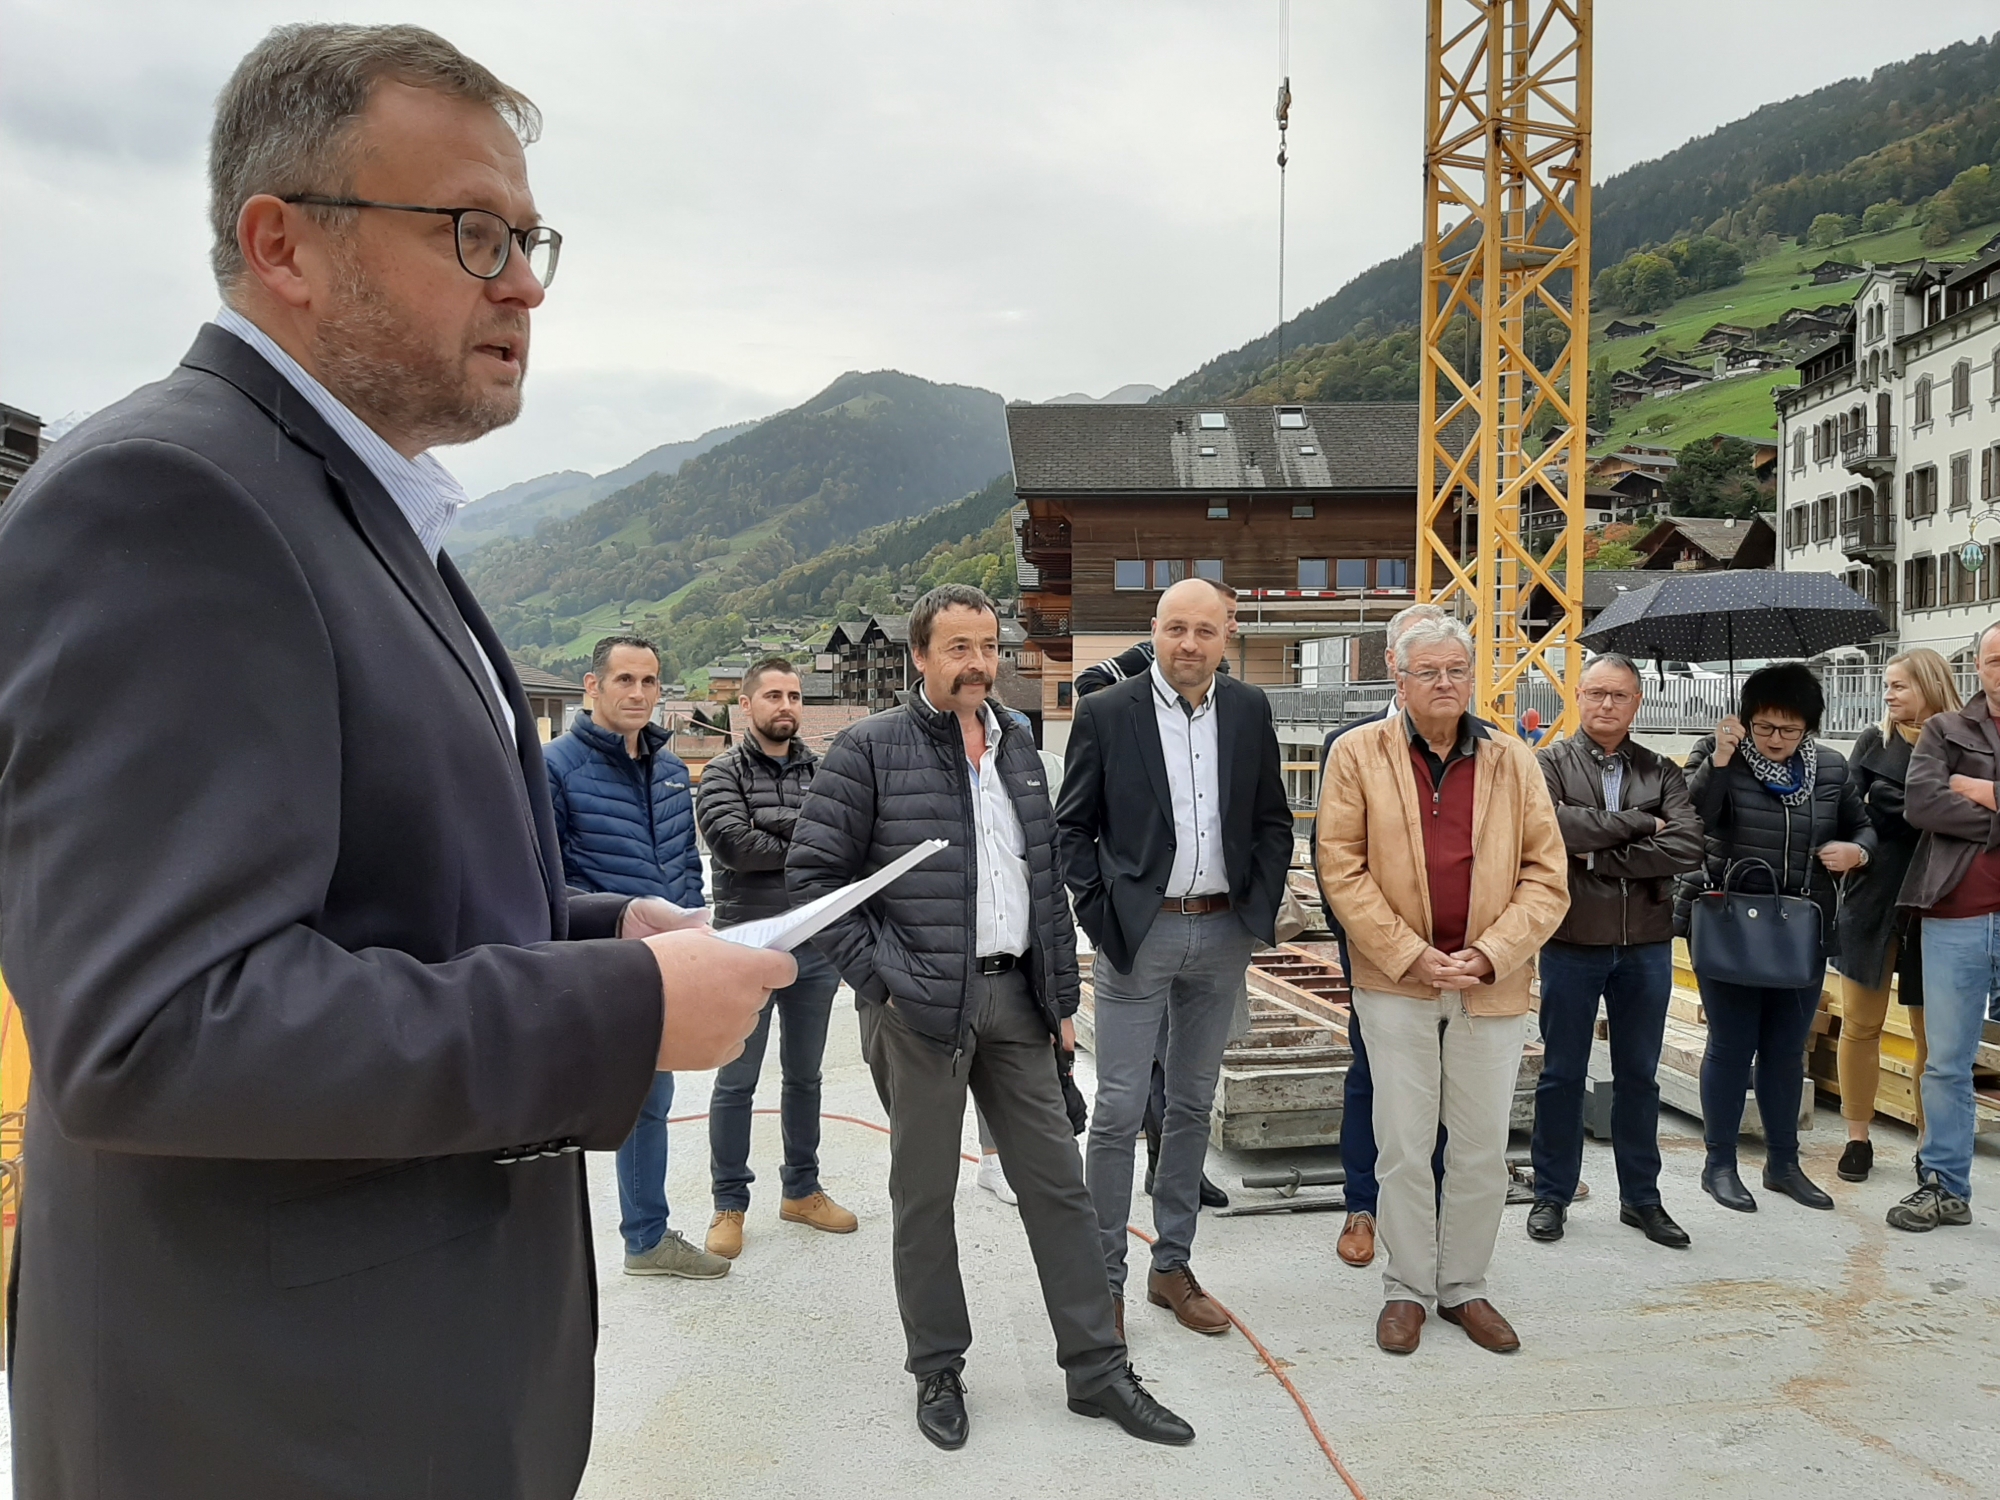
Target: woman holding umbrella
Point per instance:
(1768, 792)
(1876, 941)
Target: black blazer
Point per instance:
(1115, 823)
(277, 898)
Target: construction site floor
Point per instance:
(1787, 1349)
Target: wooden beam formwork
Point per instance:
(1506, 233)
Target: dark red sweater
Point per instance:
(1447, 814)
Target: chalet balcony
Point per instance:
(1870, 451)
(1871, 534)
(1044, 623)
(1046, 540)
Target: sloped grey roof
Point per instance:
(1361, 448)
(535, 680)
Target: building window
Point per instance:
(1989, 576)
(1798, 451)
(1392, 572)
(1209, 568)
(1168, 571)
(1065, 694)
(1961, 386)
(1920, 492)
(1798, 525)
(1923, 399)
(1989, 474)
(1213, 421)
(1128, 573)
(1302, 512)
(1218, 512)
(1351, 573)
(1920, 583)
(1312, 572)
(1996, 374)
(1961, 481)
(1291, 416)
(1960, 584)
(1307, 450)
(1204, 452)
(1823, 525)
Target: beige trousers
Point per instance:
(1859, 1050)
(1434, 1062)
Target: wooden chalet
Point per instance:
(1700, 544)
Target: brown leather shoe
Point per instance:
(1400, 1326)
(1193, 1307)
(819, 1211)
(725, 1233)
(1483, 1324)
(1118, 1316)
(1357, 1239)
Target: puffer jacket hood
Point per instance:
(884, 786)
(625, 825)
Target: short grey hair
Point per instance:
(284, 120)
(1403, 619)
(1428, 632)
(1615, 659)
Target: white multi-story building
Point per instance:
(1889, 456)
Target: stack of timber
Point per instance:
(1282, 1084)
(1896, 1089)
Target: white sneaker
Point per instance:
(993, 1177)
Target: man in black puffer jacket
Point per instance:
(965, 972)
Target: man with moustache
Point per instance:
(1176, 860)
(965, 973)
(750, 799)
(317, 1029)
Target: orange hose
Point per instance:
(1270, 1363)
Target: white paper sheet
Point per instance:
(787, 930)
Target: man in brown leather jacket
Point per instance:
(1629, 827)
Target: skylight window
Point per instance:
(1291, 416)
(1307, 450)
(1214, 421)
(1207, 452)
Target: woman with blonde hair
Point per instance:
(1876, 940)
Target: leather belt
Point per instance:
(998, 963)
(1196, 906)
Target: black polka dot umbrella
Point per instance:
(1742, 612)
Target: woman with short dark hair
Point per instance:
(1771, 792)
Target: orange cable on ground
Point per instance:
(1270, 1361)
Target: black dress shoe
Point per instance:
(1856, 1162)
(1211, 1195)
(1723, 1185)
(1654, 1220)
(1545, 1220)
(941, 1409)
(1792, 1181)
(1125, 1402)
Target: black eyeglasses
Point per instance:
(484, 239)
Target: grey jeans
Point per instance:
(1187, 974)
(1012, 1076)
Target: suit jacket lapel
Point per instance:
(1146, 730)
(373, 512)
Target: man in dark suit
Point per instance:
(313, 1058)
(1177, 872)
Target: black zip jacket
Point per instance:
(883, 787)
(1621, 864)
(747, 807)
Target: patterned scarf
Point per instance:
(1777, 775)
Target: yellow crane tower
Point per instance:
(1506, 235)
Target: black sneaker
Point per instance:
(1929, 1206)
(1856, 1161)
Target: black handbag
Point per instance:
(1767, 941)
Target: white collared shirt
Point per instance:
(423, 489)
(1002, 849)
(1188, 741)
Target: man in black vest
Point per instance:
(1175, 835)
(312, 1057)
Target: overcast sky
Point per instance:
(1031, 197)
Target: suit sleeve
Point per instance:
(163, 878)
(1929, 802)
(724, 812)
(1541, 889)
(1672, 851)
(1080, 820)
(829, 849)
(1365, 915)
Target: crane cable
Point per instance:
(1284, 124)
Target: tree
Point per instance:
(1826, 229)
(1941, 221)
(1880, 216)
(1612, 555)
(1715, 478)
(1600, 394)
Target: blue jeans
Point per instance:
(804, 1009)
(1961, 974)
(642, 1171)
(1635, 983)
(1357, 1126)
(1745, 1022)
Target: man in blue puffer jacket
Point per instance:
(625, 819)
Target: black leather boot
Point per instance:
(1720, 1182)
(1790, 1179)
